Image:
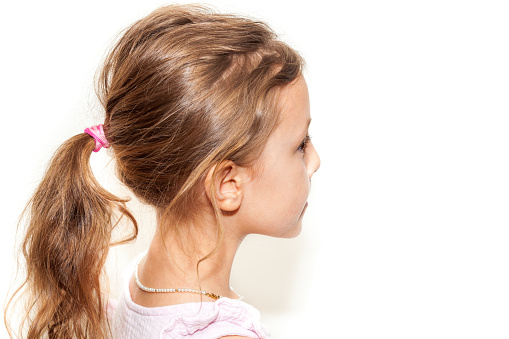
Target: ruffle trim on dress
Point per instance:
(227, 317)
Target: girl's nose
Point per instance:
(314, 161)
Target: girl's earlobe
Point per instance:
(224, 182)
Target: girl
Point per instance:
(207, 117)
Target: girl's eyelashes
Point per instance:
(304, 143)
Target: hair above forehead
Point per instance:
(184, 88)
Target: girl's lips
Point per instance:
(304, 209)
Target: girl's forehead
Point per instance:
(295, 108)
(294, 118)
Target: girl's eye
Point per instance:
(304, 143)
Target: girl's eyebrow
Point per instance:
(305, 131)
(307, 126)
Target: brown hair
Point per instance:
(183, 89)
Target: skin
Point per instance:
(275, 200)
(271, 201)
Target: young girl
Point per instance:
(207, 118)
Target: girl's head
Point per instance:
(184, 90)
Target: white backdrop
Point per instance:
(406, 234)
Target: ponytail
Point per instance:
(70, 219)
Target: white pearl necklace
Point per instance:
(169, 290)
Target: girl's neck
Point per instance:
(172, 262)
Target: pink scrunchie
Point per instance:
(97, 132)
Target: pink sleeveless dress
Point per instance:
(205, 320)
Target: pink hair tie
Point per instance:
(97, 132)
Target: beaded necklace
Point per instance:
(170, 290)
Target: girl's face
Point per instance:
(276, 197)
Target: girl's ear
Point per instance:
(226, 182)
